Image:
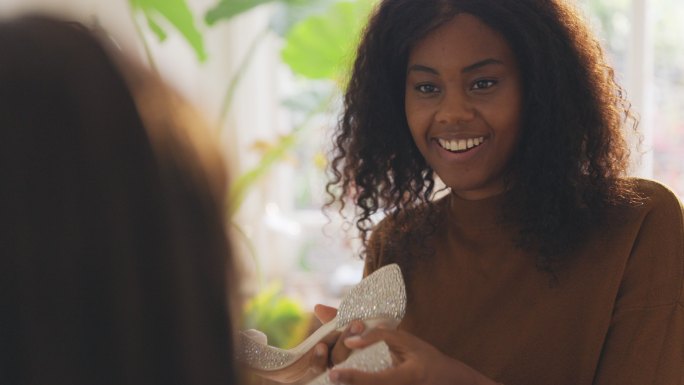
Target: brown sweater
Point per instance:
(615, 316)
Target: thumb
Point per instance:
(397, 341)
(325, 313)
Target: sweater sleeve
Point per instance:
(645, 341)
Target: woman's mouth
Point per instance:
(460, 145)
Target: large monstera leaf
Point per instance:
(227, 9)
(178, 14)
(322, 46)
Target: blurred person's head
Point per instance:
(114, 255)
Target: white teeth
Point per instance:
(461, 144)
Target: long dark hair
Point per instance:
(114, 254)
(572, 150)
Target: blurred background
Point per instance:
(268, 75)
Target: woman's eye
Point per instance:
(483, 84)
(427, 88)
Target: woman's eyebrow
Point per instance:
(481, 64)
(469, 68)
(422, 68)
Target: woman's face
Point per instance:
(463, 105)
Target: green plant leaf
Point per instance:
(290, 12)
(156, 28)
(309, 99)
(176, 12)
(281, 318)
(227, 9)
(321, 46)
(239, 187)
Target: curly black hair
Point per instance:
(574, 152)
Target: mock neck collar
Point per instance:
(487, 212)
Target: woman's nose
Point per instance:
(454, 108)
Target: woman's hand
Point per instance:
(415, 363)
(337, 351)
(318, 359)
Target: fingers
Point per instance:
(340, 351)
(324, 313)
(396, 340)
(319, 359)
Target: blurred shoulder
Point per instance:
(658, 197)
(654, 272)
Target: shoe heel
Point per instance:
(380, 297)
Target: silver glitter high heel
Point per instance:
(378, 298)
(371, 359)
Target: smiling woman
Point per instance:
(463, 100)
(542, 262)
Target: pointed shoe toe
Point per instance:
(378, 298)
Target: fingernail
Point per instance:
(319, 351)
(356, 328)
(334, 376)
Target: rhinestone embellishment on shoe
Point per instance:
(263, 356)
(378, 298)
